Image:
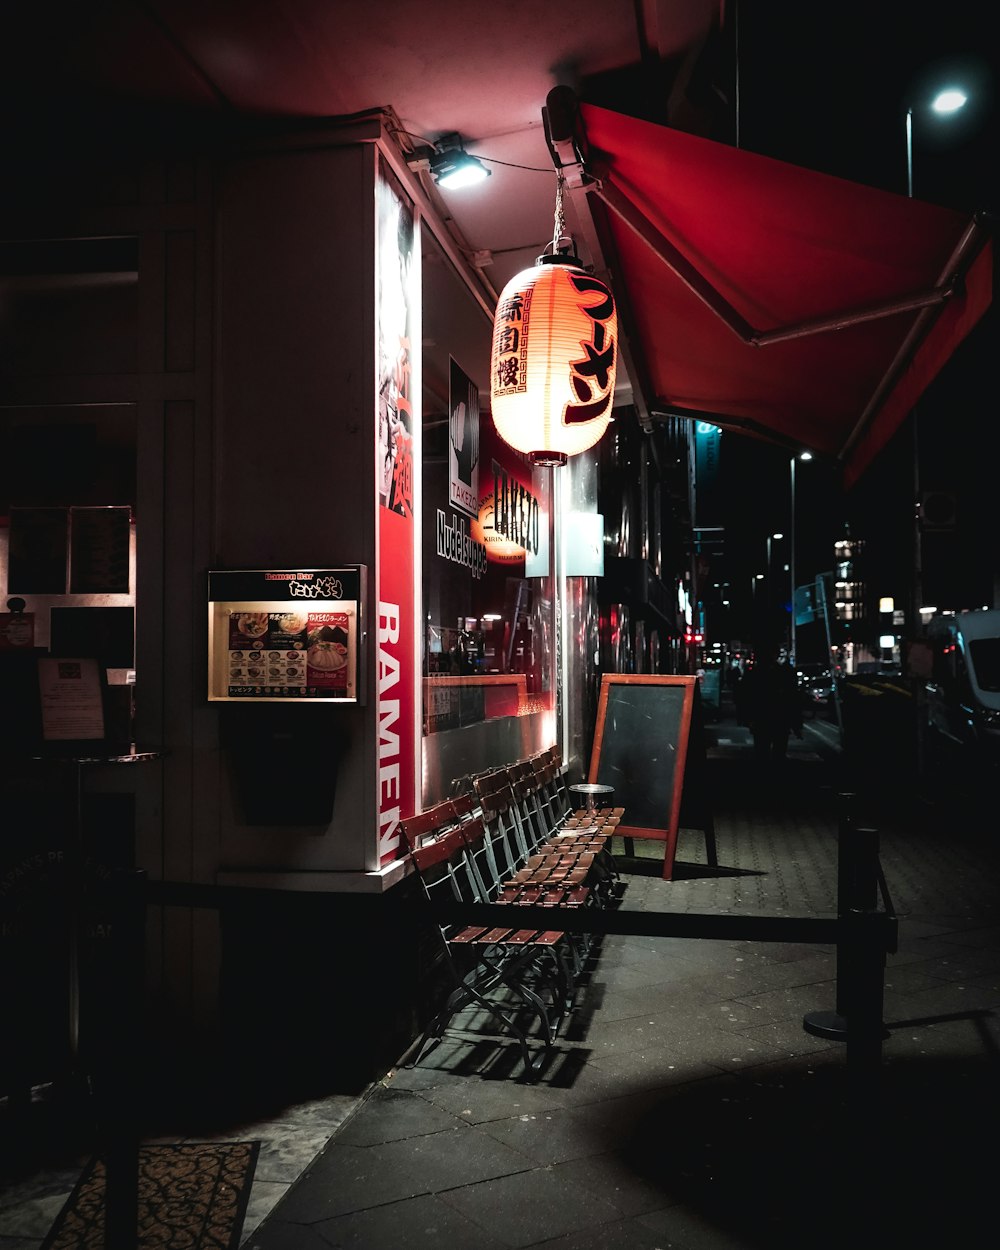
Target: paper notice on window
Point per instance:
(72, 707)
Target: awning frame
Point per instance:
(590, 180)
(604, 187)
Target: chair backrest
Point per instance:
(545, 796)
(446, 874)
(431, 824)
(460, 785)
(464, 806)
(480, 862)
(504, 838)
(519, 817)
(433, 854)
(562, 800)
(522, 780)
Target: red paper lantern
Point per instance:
(555, 355)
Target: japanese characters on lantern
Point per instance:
(555, 353)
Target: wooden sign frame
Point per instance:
(667, 833)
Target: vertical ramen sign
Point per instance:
(397, 455)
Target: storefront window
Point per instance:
(67, 559)
(67, 528)
(488, 662)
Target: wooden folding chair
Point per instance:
(510, 972)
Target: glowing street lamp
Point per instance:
(754, 579)
(946, 102)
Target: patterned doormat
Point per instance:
(191, 1197)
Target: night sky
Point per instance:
(827, 87)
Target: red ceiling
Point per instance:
(482, 71)
(780, 243)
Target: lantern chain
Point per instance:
(559, 227)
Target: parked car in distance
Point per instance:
(963, 694)
(816, 686)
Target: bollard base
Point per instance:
(826, 1024)
(830, 1024)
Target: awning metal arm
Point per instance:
(953, 266)
(662, 407)
(606, 190)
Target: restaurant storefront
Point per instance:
(374, 347)
(340, 591)
(267, 355)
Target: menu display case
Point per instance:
(286, 635)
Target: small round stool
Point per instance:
(591, 792)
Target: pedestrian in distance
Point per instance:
(770, 705)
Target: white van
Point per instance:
(963, 694)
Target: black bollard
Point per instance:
(867, 944)
(865, 936)
(119, 1097)
(833, 1024)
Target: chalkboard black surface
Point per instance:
(640, 748)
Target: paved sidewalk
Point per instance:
(684, 1105)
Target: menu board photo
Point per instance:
(17, 630)
(285, 635)
(71, 700)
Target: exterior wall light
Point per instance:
(447, 160)
(453, 167)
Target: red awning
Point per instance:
(774, 299)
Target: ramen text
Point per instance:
(388, 737)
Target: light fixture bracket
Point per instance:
(452, 166)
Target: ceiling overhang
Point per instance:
(764, 297)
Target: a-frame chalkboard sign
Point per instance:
(649, 745)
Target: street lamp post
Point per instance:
(769, 600)
(791, 563)
(948, 101)
(755, 578)
(803, 455)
